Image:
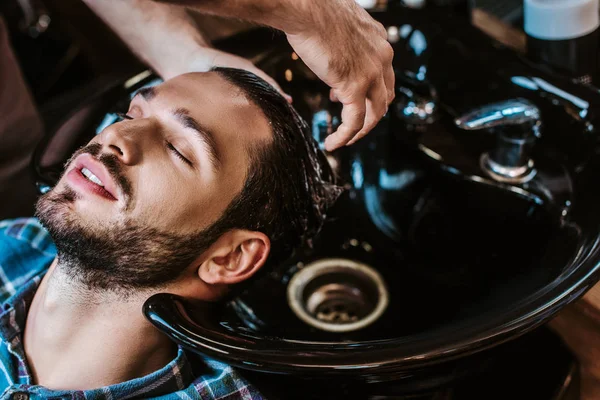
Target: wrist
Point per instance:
(197, 58)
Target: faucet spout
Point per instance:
(516, 124)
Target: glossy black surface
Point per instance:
(534, 367)
(469, 262)
(576, 57)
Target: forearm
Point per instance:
(290, 16)
(162, 35)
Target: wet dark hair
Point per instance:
(289, 183)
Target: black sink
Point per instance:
(469, 262)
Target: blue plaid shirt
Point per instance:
(26, 252)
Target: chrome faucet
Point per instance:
(516, 123)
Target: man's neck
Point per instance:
(79, 339)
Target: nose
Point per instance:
(123, 140)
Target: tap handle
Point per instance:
(508, 112)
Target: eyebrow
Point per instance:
(148, 93)
(182, 115)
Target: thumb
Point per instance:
(273, 83)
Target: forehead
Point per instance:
(219, 106)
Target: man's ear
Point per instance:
(234, 257)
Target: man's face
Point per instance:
(166, 174)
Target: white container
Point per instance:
(560, 19)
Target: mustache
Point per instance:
(110, 162)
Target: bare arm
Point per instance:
(289, 16)
(165, 37)
(339, 42)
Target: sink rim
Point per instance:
(374, 359)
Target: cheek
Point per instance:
(169, 200)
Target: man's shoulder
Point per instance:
(26, 234)
(213, 380)
(222, 381)
(26, 249)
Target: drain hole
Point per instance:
(338, 301)
(337, 295)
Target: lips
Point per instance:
(92, 170)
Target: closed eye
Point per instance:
(178, 154)
(123, 116)
(170, 146)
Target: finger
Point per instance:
(332, 96)
(287, 97)
(390, 85)
(353, 118)
(376, 107)
(389, 78)
(273, 83)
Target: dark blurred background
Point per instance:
(62, 45)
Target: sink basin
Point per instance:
(468, 263)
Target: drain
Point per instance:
(337, 295)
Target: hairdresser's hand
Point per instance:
(345, 47)
(206, 58)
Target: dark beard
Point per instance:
(119, 258)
